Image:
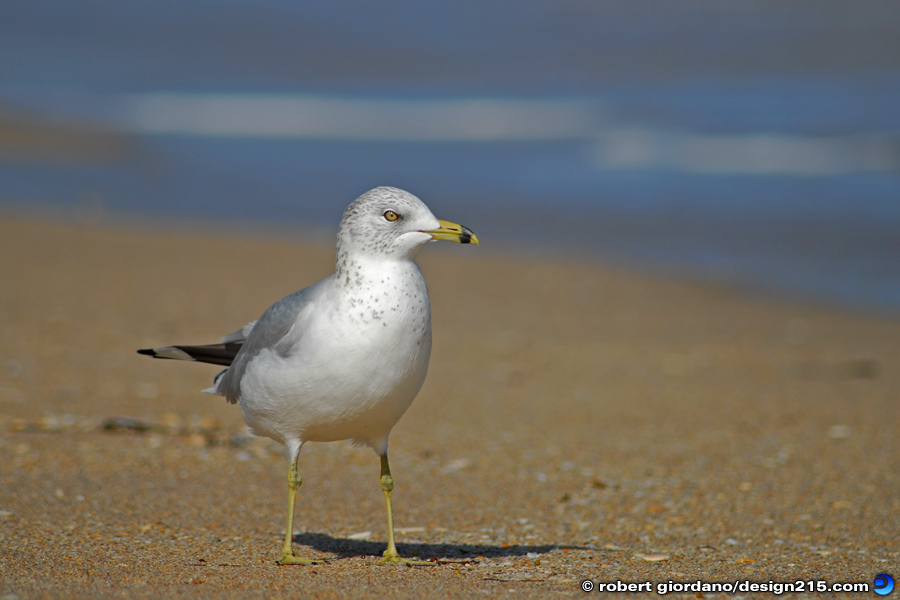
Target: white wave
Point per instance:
(322, 117)
(755, 153)
(315, 117)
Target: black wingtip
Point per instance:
(147, 351)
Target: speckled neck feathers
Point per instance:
(383, 224)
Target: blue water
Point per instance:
(753, 144)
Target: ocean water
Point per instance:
(756, 144)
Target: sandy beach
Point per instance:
(578, 422)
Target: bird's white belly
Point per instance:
(353, 380)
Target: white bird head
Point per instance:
(393, 223)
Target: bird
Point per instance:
(344, 358)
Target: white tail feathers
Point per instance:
(215, 388)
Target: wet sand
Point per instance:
(577, 423)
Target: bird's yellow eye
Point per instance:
(391, 215)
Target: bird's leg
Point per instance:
(391, 556)
(287, 552)
(387, 485)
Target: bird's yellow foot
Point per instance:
(396, 559)
(290, 559)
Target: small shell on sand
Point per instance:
(655, 557)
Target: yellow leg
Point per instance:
(390, 555)
(287, 552)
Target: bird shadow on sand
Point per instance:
(343, 548)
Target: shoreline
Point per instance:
(610, 258)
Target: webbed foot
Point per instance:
(392, 558)
(290, 559)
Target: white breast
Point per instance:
(359, 364)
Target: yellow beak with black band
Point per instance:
(453, 232)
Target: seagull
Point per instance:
(344, 358)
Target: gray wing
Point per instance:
(268, 332)
(239, 336)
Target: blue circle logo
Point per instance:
(884, 584)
